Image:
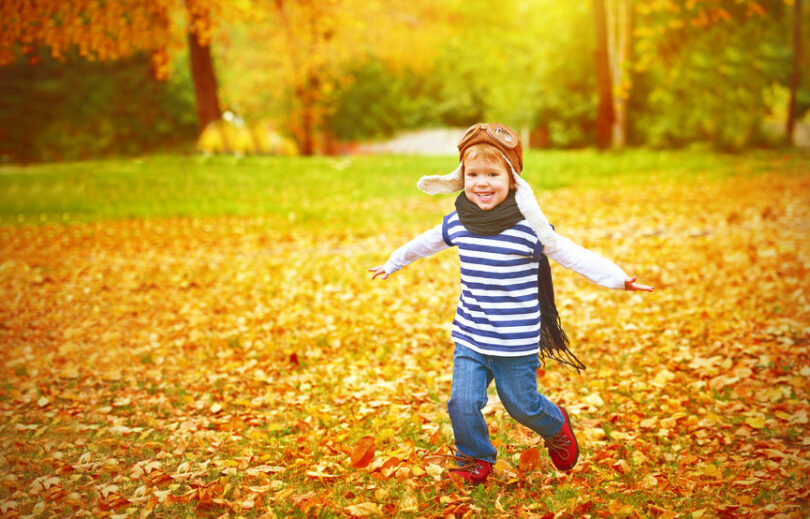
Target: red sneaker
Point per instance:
(563, 448)
(473, 470)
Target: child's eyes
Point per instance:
(490, 173)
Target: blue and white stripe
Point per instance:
(498, 312)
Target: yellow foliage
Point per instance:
(223, 137)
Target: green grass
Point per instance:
(328, 190)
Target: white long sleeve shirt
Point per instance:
(596, 268)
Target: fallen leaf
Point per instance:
(363, 509)
(529, 459)
(757, 422)
(363, 452)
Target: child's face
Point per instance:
(486, 182)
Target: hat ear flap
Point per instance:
(527, 203)
(442, 184)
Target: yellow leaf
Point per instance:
(73, 499)
(595, 400)
(648, 482)
(757, 422)
(417, 470)
(663, 377)
(709, 470)
(502, 465)
(409, 504)
(321, 475)
(434, 470)
(648, 423)
(782, 415)
(363, 509)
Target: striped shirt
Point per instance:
(498, 312)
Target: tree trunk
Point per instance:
(303, 125)
(619, 46)
(205, 81)
(307, 121)
(794, 79)
(604, 114)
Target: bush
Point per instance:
(79, 109)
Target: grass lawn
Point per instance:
(327, 190)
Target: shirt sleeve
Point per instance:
(427, 243)
(599, 270)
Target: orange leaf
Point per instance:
(529, 459)
(390, 465)
(363, 452)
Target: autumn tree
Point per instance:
(113, 30)
(525, 64)
(701, 68)
(619, 17)
(790, 124)
(604, 86)
(307, 47)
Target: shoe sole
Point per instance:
(574, 436)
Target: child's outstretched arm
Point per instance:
(598, 269)
(427, 243)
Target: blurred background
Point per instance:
(85, 79)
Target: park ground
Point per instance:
(184, 336)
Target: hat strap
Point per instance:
(527, 203)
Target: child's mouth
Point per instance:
(485, 197)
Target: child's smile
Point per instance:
(486, 182)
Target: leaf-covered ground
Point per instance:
(210, 366)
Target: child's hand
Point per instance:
(377, 271)
(630, 284)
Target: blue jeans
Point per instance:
(516, 382)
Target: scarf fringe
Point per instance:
(554, 344)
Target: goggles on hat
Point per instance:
(498, 132)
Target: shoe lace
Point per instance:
(468, 462)
(558, 445)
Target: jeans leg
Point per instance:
(471, 377)
(516, 382)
